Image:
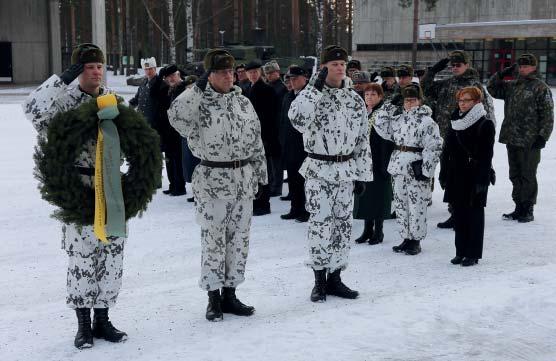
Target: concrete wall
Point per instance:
(384, 21)
(24, 23)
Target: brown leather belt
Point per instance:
(406, 148)
(231, 164)
(331, 158)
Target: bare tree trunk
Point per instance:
(171, 31)
(120, 36)
(73, 29)
(319, 26)
(415, 33)
(215, 25)
(189, 30)
(295, 26)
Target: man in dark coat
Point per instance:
(293, 153)
(144, 101)
(169, 137)
(272, 74)
(527, 125)
(242, 80)
(263, 99)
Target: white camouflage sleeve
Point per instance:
(383, 121)
(362, 151)
(184, 116)
(303, 108)
(44, 102)
(432, 147)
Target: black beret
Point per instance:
(87, 53)
(405, 70)
(459, 56)
(527, 59)
(412, 90)
(168, 70)
(218, 59)
(253, 64)
(354, 64)
(333, 52)
(387, 72)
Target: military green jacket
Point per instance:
(528, 109)
(442, 95)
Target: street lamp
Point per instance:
(222, 37)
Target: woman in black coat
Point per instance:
(373, 205)
(466, 173)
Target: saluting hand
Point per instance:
(203, 80)
(321, 78)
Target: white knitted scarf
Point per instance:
(470, 118)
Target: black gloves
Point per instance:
(259, 193)
(441, 65)
(508, 71)
(417, 167)
(358, 187)
(203, 80)
(71, 73)
(481, 188)
(539, 143)
(373, 77)
(321, 78)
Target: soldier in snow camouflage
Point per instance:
(94, 274)
(412, 164)
(442, 93)
(333, 120)
(528, 123)
(222, 129)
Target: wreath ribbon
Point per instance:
(109, 218)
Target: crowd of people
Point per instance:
(353, 145)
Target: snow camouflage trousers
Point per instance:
(95, 270)
(225, 226)
(411, 199)
(330, 205)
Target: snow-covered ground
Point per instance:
(410, 308)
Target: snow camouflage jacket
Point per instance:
(333, 122)
(442, 93)
(221, 127)
(528, 109)
(414, 128)
(55, 96)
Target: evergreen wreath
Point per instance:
(68, 134)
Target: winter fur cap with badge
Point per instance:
(361, 77)
(527, 59)
(148, 63)
(405, 70)
(333, 52)
(354, 64)
(412, 90)
(458, 56)
(387, 72)
(87, 53)
(218, 59)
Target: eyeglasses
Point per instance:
(465, 100)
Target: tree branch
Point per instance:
(154, 22)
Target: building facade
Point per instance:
(494, 32)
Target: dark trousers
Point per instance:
(275, 174)
(523, 174)
(264, 201)
(469, 226)
(174, 170)
(297, 191)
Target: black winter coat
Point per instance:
(170, 139)
(466, 162)
(145, 100)
(263, 98)
(293, 152)
(381, 150)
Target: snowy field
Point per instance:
(410, 308)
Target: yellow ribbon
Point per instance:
(100, 202)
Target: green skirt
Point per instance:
(376, 201)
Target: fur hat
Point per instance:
(412, 90)
(168, 70)
(295, 70)
(333, 52)
(459, 56)
(253, 64)
(218, 59)
(148, 63)
(87, 53)
(405, 70)
(527, 59)
(387, 72)
(190, 80)
(361, 77)
(271, 66)
(354, 64)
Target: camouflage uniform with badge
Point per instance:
(222, 129)
(333, 120)
(527, 125)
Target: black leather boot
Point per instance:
(513, 216)
(526, 214)
(214, 308)
(84, 335)
(456, 260)
(378, 235)
(318, 294)
(467, 262)
(102, 327)
(335, 286)
(367, 232)
(447, 224)
(401, 247)
(230, 303)
(413, 248)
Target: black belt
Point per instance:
(230, 164)
(406, 148)
(331, 158)
(85, 171)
